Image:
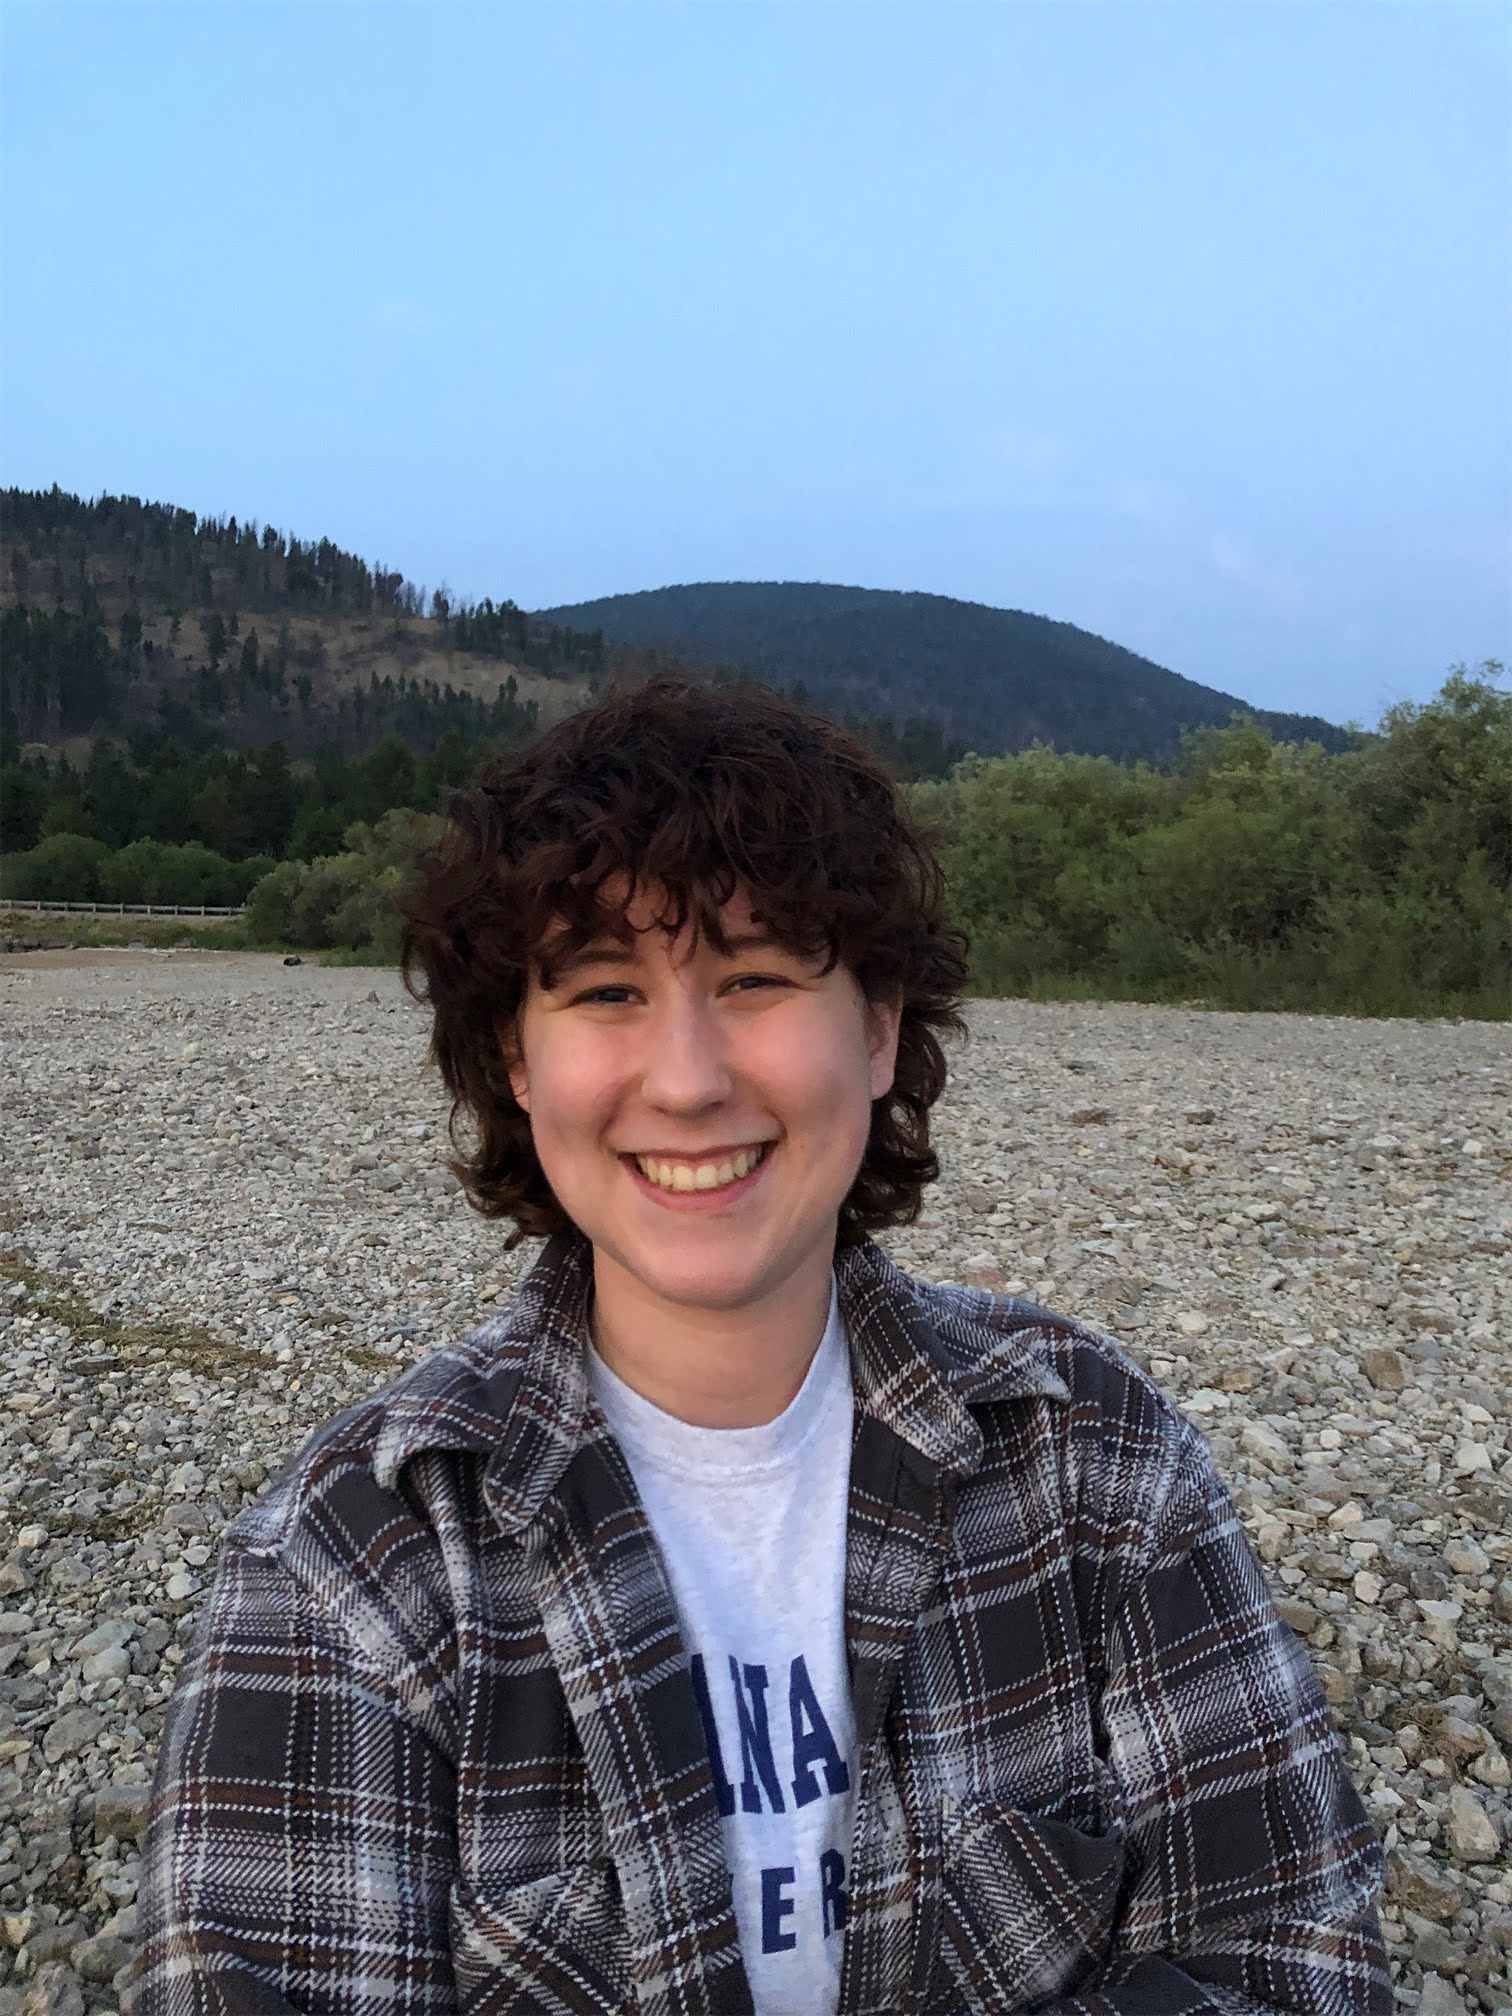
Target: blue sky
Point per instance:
(1183, 320)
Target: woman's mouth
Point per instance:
(706, 1175)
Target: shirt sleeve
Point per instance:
(300, 1849)
(1251, 1870)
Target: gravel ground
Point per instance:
(225, 1216)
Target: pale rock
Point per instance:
(1440, 1998)
(120, 1810)
(73, 1731)
(1421, 1884)
(16, 1576)
(1439, 1620)
(1384, 1368)
(1492, 1769)
(105, 1637)
(1206, 1400)
(101, 1958)
(1470, 1830)
(114, 1663)
(1463, 1557)
(1260, 1439)
(54, 1991)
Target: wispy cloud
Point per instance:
(1282, 588)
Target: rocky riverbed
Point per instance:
(224, 1216)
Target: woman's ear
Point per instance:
(884, 1020)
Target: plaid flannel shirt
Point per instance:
(436, 1747)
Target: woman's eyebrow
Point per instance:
(608, 952)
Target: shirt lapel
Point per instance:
(914, 1439)
(560, 1481)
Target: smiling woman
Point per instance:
(702, 1120)
(707, 948)
(734, 1623)
(668, 810)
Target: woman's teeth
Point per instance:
(699, 1175)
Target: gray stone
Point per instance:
(1259, 1438)
(16, 1576)
(1384, 1368)
(1440, 1998)
(120, 1810)
(1462, 1556)
(73, 1731)
(101, 1958)
(1470, 1830)
(105, 1637)
(1432, 1946)
(114, 1663)
(54, 1942)
(54, 1992)
(1420, 1884)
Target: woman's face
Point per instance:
(702, 1118)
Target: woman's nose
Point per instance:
(686, 1063)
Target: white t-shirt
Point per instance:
(751, 1525)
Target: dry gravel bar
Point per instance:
(225, 1217)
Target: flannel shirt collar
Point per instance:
(516, 1390)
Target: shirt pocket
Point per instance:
(1028, 1906)
(553, 1947)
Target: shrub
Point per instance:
(342, 902)
(153, 871)
(63, 868)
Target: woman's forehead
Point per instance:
(651, 908)
(654, 925)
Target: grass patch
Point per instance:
(186, 1343)
(369, 1361)
(79, 928)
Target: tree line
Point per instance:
(193, 790)
(1251, 873)
(64, 550)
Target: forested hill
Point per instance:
(150, 623)
(994, 679)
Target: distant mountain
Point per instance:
(993, 679)
(148, 623)
(145, 622)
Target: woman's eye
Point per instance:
(601, 993)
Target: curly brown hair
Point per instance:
(693, 791)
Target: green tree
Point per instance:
(23, 795)
(63, 868)
(271, 801)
